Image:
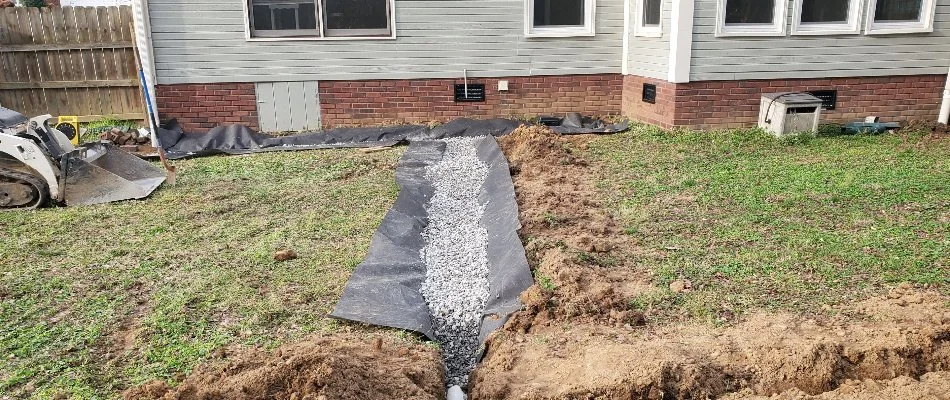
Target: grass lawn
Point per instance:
(95, 299)
(797, 225)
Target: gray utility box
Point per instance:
(786, 113)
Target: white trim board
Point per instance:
(143, 40)
(681, 40)
(625, 51)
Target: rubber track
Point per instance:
(37, 183)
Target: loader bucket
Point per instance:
(101, 173)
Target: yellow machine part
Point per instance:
(69, 125)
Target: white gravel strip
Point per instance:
(456, 285)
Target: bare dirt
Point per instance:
(932, 386)
(342, 366)
(578, 338)
(573, 244)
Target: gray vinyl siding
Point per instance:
(650, 56)
(741, 58)
(202, 41)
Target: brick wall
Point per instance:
(718, 104)
(381, 101)
(659, 113)
(199, 107)
(710, 104)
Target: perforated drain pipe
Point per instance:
(455, 393)
(945, 109)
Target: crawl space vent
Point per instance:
(649, 93)
(474, 92)
(829, 98)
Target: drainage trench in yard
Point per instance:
(456, 286)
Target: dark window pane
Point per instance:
(897, 10)
(749, 11)
(357, 14)
(284, 17)
(558, 12)
(307, 12)
(262, 18)
(825, 10)
(651, 12)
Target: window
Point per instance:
(751, 17)
(826, 17)
(559, 18)
(900, 16)
(320, 18)
(648, 18)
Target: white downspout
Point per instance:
(945, 109)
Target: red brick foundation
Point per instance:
(659, 113)
(199, 107)
(726, 104)
(700, 105)
(421, 100)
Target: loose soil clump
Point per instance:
(332, 367)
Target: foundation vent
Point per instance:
(469, 92)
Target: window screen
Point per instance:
(360, 15)
(750, 11)
(651, 12)
(559, 12)
(897, 10)
(283, 16)
(818, 11)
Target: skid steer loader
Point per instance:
(39, 166)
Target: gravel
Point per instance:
(456, 285)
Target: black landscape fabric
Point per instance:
(239, 139)
(384, 289)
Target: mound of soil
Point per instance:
(572, 242)
(906, 335)
(932, 386)
(933, 127)
(322, 368)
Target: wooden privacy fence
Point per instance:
(69, 61)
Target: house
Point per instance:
(300, 64)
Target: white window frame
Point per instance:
(320, 34)
(925, 24)
(590, 10)
(851, 26)
(778, 27)
(640, 28)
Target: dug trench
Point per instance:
(578, 336)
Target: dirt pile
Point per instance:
(571, 240)
(934, 129)
(932, 386)
(333, 367)
(905, 334)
